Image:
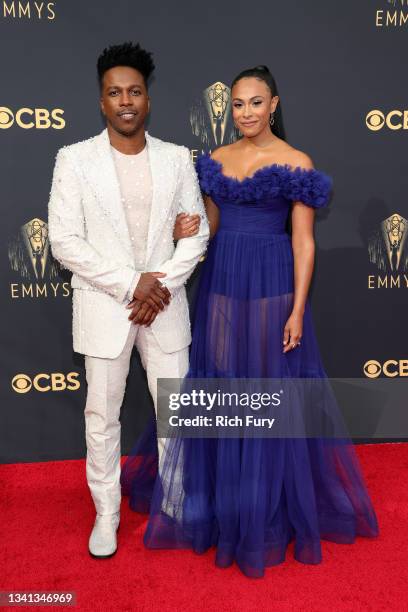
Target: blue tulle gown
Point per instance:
(250, 497)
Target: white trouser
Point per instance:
(106, 380)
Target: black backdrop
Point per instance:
(334, 63)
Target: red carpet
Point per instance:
(47, 514)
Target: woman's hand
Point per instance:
(292, 332)
(186, 226)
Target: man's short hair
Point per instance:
(127, 54)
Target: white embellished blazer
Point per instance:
(89, 235)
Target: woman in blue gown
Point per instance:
(249, 497)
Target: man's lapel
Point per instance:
(162, 169)
(103, 176)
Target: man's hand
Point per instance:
(186, 226)
(142, 313)
(149, 289)
(150, 297)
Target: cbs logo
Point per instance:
(390, 368)
(56, 381)
(28, 118)
(394, 120)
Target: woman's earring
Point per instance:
(272, 119)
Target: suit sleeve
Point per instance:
(67, 234)
(188, 250)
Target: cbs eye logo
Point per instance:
(375, 120)
(56, 381)
(394, 120)
(29, 118)
(390, 368)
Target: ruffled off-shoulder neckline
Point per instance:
(309, 186)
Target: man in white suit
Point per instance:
(113, 207)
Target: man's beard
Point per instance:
(126, 133)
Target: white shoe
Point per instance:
(103, 540)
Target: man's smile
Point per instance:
(127, 114)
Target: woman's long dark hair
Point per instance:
(262, 73)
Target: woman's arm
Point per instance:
(213, 215)
(303, 246)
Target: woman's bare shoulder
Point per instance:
(298, 159)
